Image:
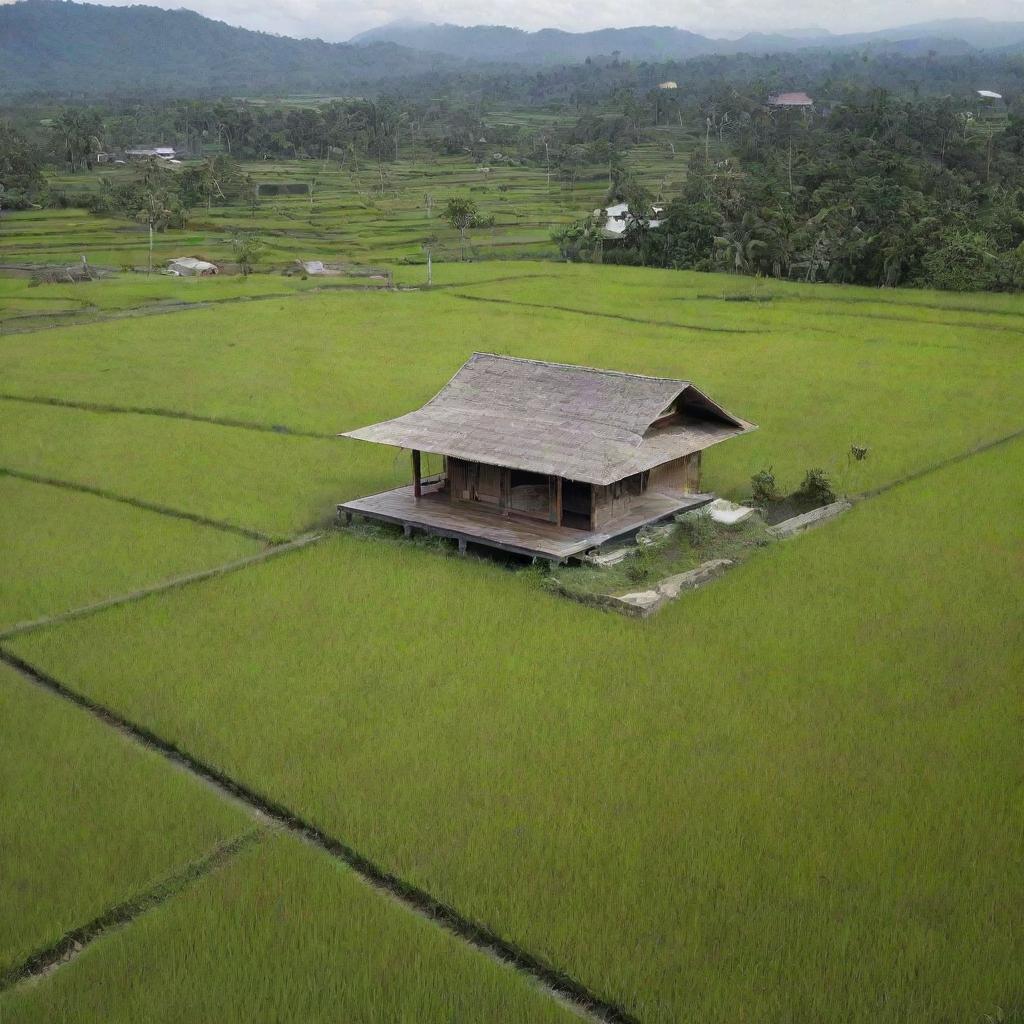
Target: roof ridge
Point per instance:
(589, 369)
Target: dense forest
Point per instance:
(878, 191)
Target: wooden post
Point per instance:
(462, 545)
(555, 499)
(417, 487)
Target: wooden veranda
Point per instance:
(433, 513)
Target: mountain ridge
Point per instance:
(489, 43)
(54, 46)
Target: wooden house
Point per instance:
(546, 459)
(791, 100)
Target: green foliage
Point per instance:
(964, 261)
(89, 819)
(763, 488)
(640, 564)
(81, 549)
(21, 168)
(283, 933)
(815, 489)
(247, 248)
(698, 527)
(854, 197)
(581, 240)
(710, 729)
(460, 214)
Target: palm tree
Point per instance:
(742, 241)
(156, 213)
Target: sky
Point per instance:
(337, 20)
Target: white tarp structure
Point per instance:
(987, 94)
(617, 219)
(728, 513)
(189, 266)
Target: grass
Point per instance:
(273, 484)
(327, 362)
(89, 820)
(282, 911)
(62, 550)
(796, 798)
(356, 215)
(793, 795)
(676, 553)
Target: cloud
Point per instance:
(337, 20)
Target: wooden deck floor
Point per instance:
(433, 513)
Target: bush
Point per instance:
(641, 565)
(815, 489)
(622, 257)
(763, 487)
(965, 261)
(698, 527)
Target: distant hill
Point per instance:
(80, 50)
(52, 47)
(548, 46)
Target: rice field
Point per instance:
(352, 218)
(89, 821)
(792, 795)
(283, 934)
(64, 549)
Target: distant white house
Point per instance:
(617, 218)
(145, 152)
(668, 85)
(990, 104)
(798, 100)
(189, 266)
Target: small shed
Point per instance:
(548, 459)
(616, 218)
(798, 100)
(189, 266)
(146, 152)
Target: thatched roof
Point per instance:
(590, 425)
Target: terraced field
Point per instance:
(792, 795)
(366, 215)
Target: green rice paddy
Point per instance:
(793, 795)
(63, 549)
(88, 821)
(282, 934)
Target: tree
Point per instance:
(460, 213)
(155, 212)
(741, 243)
(247, 248)
(21, 172)
(79, 132)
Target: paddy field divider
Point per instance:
(74, 942)
(558, 984)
